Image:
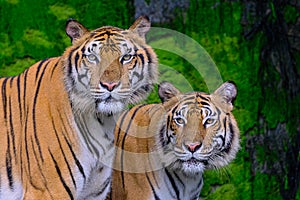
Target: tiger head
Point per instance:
(200, 131)
(108, 68)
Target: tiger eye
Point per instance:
(92, 57)
(209, 121)
(126, 57)
(179, 121)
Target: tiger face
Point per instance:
(109, 67)
(201, 132)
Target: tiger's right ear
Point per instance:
(141, 26)
(166, 91)
(75, 30)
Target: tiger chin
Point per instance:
(163, 149)
(57, 117)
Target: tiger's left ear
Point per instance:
(75, 30)
(226, 94)
(166, 91)
(141, 26)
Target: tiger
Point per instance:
(57, 117)
(163, 149)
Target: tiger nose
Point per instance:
(193, 146)
(109, 85)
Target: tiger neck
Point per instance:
(96, 132)
(186, 186)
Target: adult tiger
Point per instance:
(163, 149)
(57, 117)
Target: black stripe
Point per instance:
(123, 141)
(76, 60)
(41, 64)
(78, 164)
(104, 186)
(62, 116)
(4, 101)
(64, 155)
(99, 39)
(61, 177)
(8, 160)
(21, 161)
(120, 125)
(76, 160)
(24, 92)
(88, 137)
(88, 142)
(9, 164)
(139, 76)
(20, 100)
(203, 97)
(109, 33)
(197, 188)
(231, 131)
(26, 140)
(179, 180)
(204, 103)
(141, 56)
(135, 64)
(54, 68)
(39, 168)
(11, 125)
(174, 186)
(148, 54)
(225, 132)
(70, 67)
(188, 98)
(218, 111)
(152, 187)
(119, 39)
(34, 106)
(11, 81)
(167, 130)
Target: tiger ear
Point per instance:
(166, 91)
(141, 26)
(75, 30)
(226, 94)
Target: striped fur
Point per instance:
(57, 117)
(163, 149)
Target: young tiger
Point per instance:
(163, 149)
(57, 118)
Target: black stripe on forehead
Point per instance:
(194, 99)
(108, 33)
(189, 97)
(206, 98)
(197, 98)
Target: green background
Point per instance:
(34, 30)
